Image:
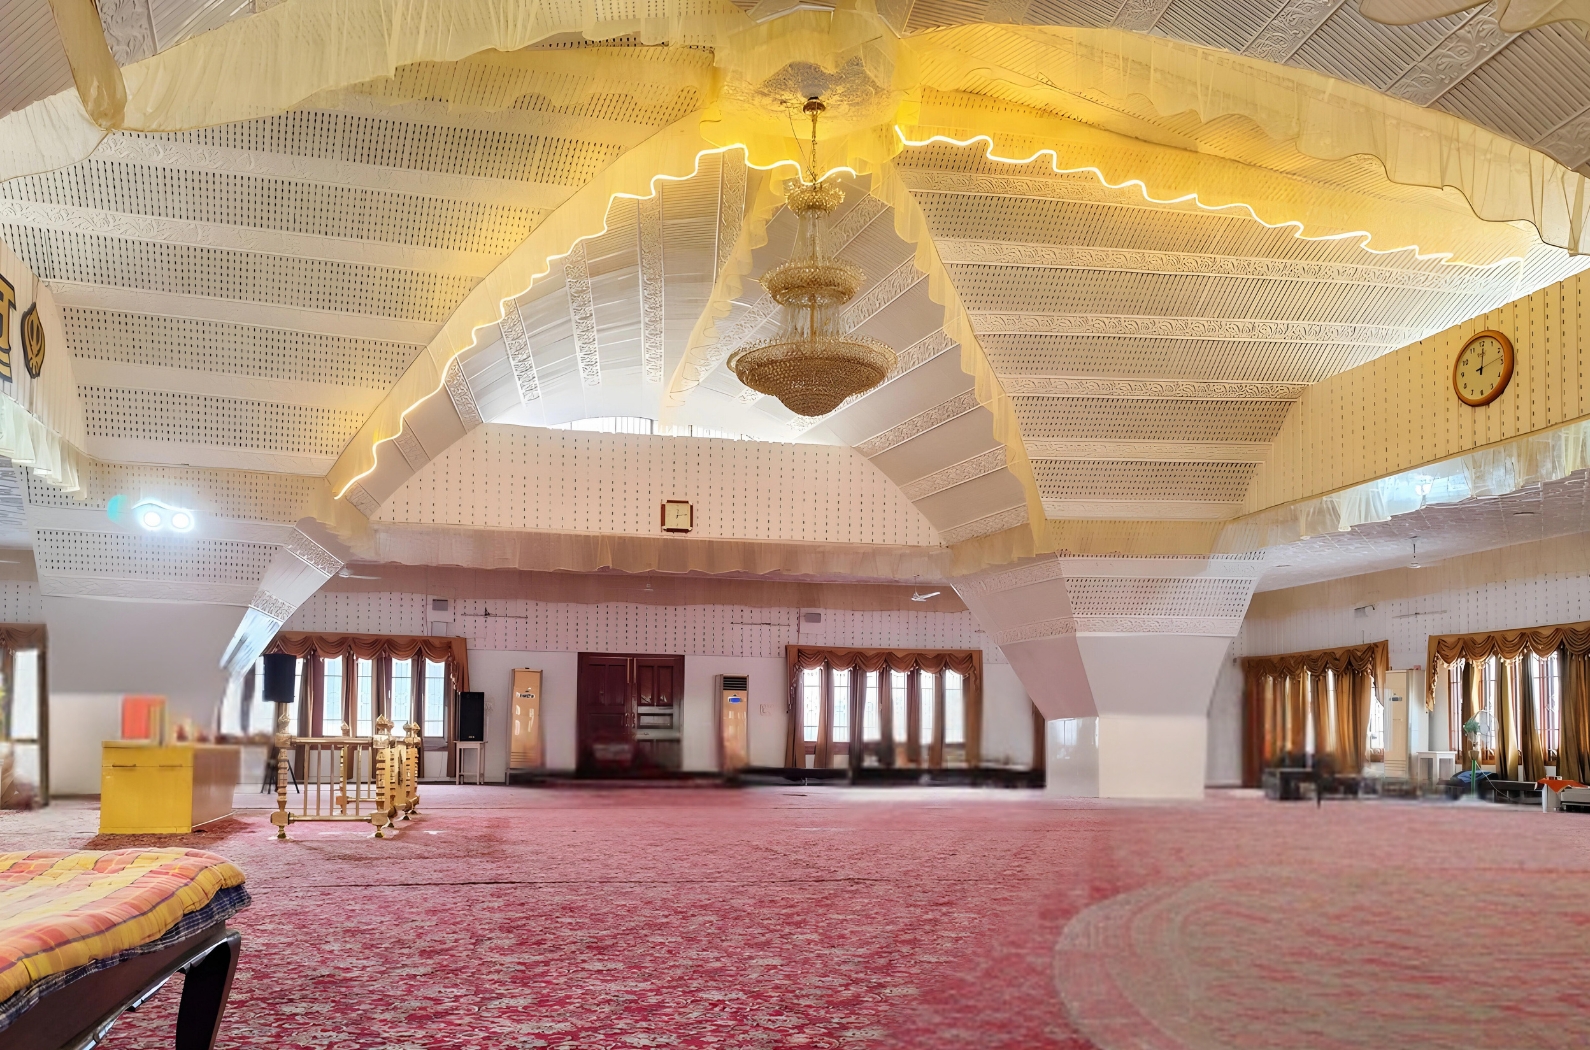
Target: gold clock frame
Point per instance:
(1507, 369)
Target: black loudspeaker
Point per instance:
(280, 670)
(471, 717)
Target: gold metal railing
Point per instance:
(372, 779)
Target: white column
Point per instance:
(1121, 656)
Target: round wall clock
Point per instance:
(1482, 368)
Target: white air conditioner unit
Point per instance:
(439, 613)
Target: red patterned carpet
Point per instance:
(692, 917)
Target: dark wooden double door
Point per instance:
(630, 714)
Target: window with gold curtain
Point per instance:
(885, 708)
(1299, 707)
(1536, 684)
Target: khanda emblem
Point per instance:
(33, 341)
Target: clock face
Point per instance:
(1483, 367)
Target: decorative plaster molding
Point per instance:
(582, 314)
(129, 29)
(731, 203)
(1219, 626)
(876, 299)
(1084, 257)
(1219, 569)
(520, 355)
(1569, 142)
(1232, 329)
(462, 396)
(1468, 46)
(919, 424)
(955, 474)
(649, 231)
(408, 444)
(1135, 510)
(1009, 580)
(271, 606)
(1058, 627)
(313, 554)
(1005, 519)
(1140, 15)
(1149, 451)
(165, 152)
(848, 226)
(1290, 29)
(1078, 189)
(259, 240)
(1148, 389)
(361, 500)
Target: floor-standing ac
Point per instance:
(734, 722)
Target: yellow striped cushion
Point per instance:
(60, 909)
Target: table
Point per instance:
(1434, 767)
(1285, 783)
(149, 790)
(460, 747)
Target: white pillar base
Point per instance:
(1126, 756)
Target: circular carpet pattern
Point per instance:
(1335, 959)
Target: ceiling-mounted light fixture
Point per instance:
(156, 516)
(812, 365)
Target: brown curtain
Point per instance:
(454, 651)
(1287, 691)
(968, 663)
(1573, 751)
(1532, 759)
(1352, 720)
(1542, 641)
(1473, 682)
(1506, 720)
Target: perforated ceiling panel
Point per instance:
(193, 419)
(126, 555)
(1113, 319)
(245, 350)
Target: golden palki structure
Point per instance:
(813, 365)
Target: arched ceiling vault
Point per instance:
(348, 285)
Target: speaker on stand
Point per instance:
(276, 687)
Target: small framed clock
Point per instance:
(678, 516)
(1483, 368)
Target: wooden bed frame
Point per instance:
(79, 1015)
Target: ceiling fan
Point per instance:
(343, 573)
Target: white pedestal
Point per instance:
(1127, 756)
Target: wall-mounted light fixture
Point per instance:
(156, 516)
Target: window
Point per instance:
(25, 695)
(871, 724)
(1548, 697)
(841, 690)
(331, 696)
(1377, 727)
(897, 695)
(954, 709)
(811, 703)
(884, 718)
(435, 699)
(364, 697)
(402, 705)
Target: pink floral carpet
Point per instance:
(921, 918)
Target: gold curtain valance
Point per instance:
(1509, 645)
(1373, 658)
(965, 662)
(454, 651)
(16, 636)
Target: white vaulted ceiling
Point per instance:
(245, 296)
(1529, 86)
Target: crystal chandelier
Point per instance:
(812, 365)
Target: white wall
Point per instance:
(1526, 585)
(102, 649)
(714, 640)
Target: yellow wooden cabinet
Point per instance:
(148, 790)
